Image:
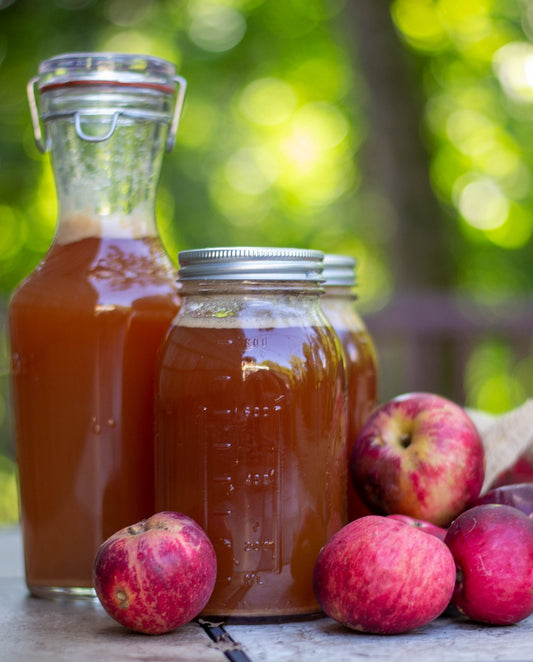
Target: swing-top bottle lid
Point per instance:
(107, 69)
(111, 75)
(251, 263)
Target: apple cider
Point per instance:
(250, 423)
(86, 325)
(84, 339)
(359, 355)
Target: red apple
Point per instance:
(427, 527)
(419, 455)
(157, 574)
(521, 471)
(379, 575)
(519, 496)
(493, 548)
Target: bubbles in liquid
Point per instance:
(250, 578)
(76, 225)
(97, 427)
(17, 364)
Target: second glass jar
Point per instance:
(338, 303)
(250, 418)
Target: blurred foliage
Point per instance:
(266, 150)
(476, 72)
(268, 146)
(475, 67)
(8, 491)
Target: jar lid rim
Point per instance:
(339, 270)
(251, 263)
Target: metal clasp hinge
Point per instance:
(42, 145)
(180, 95)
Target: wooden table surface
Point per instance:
(37, 630)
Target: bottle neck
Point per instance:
(106, 166)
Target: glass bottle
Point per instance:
(339, 305)
(250, 421)
(86, 324)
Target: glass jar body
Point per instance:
(251, 440)
(85, 327)
(339, 306)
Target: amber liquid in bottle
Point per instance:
(85, 327)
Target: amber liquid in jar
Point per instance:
(85, 329)
(251, 444)
(361, 372)
(362, 397)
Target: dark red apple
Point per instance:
(379, 575)
(157, 574)
(521, 471)
(493, 549)
(419, 455)
(427, 527)
(519, 496)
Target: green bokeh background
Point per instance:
(279, 144)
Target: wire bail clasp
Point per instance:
(42, 137)
(43, 145)
(178, 107)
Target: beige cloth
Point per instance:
(505, 438)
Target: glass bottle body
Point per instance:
(85, 327)
(251, 440)
(338, 304)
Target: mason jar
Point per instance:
(250, 424)
(340, 306)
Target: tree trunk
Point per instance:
(395, 163)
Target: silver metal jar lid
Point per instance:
(339, 270)
(251, 263)
(146, 73)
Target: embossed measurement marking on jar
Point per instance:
(256, 341)
(242, 474)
